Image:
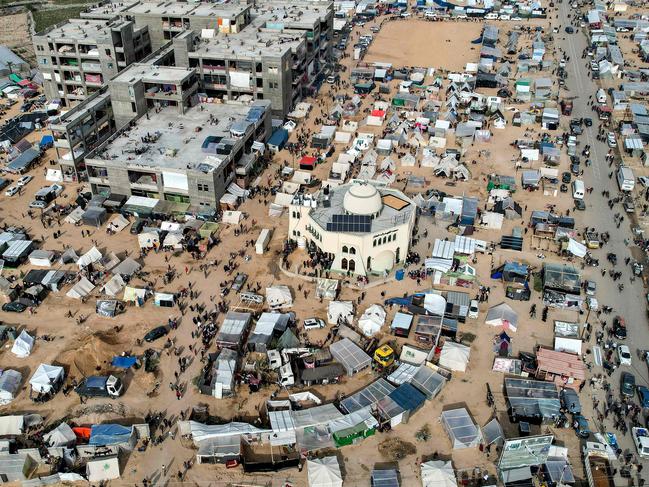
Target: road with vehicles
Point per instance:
(631, 303)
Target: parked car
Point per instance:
(591, 288)
(474, 309)
(624, 355)
(290, 126)
(313, 324)
(239, 281)
(137, 226)
(619, 328)
(566, 177)
(579, 204)
(156, 333)
(610, 140)
(570, 30)
(14, 307)
(24, 180)
(627, 384)
(37, 204)
(12, 191)
(588, 122)
(580, 424)
(643, 395)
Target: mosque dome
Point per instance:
(362, 199)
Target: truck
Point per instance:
(100, 386)
(598, 465)
(641, 440)
(625, 179)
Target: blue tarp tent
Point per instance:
(408, 397)
(23, 162)
(46, 142)
(109, 434)
(123, 362)
(278, 139)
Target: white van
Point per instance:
(601, 96)
(625, 179)
(491, 16)
(578, 189)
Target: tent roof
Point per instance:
(368, 396)
(324, 472)
(428, 381)
(502, 315)
(109, 434)
(460, 427)
(350, 355)
(62, 435)
(438, 473)
(454, 356)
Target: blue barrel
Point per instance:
(400, 274)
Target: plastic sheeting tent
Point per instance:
(134, 295)
(438, 473)
(147, 240)
(114, 286)
(372, 320)
(340, 310)
(110, 434)
(81, 289)
(46, 378)
(454, 356)
(350, 355)
(10, 381)
(326, 288)
(23, 345)
(102, 469)
(118, 224)
(90, 257)
(324, 472)
(279, 297)
(502, 315)
(62, 435)
(461, 429)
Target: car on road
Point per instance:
(594, 66)
(566, 177)
(570, 30)
(579, 204)
(14, 307)
(12, 191)
(156, 333)
(37, 204)
(627, 384)
(575, 169)
(591, 288)
(405, 15)
(239, 281)
(588, 122)
(643, 180)
(332, 78)
(610, 140)
(504, 17)
(619, 328)
(313, 324)
(516, 18)
(580, 424)
(24, 180)
(624, 355)
(643, 396)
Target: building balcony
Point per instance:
(94, 54)
(91, 67)
(213, 69)
(150, 186)
(98, 180)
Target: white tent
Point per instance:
(23, 345)
(279, 297)
(62, 435)
(102, 469)
(118, 223)
(134, 294)
(324, 472)
(435, 304)
(502, 315)
(372, 320)
(90, 257)
(438, 473)
(81, 289)
(173, 240)
(232, 217)
(340, 310)
(74, 216)
(114, 285)
(12, 425)
(45, 377)
(10, 381)
(146, 240)
(577, 249)
(454, 356)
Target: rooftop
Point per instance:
(85, 30)
(393, 212)
(291, 15)
(8, 56)
(108, 9)
(230, 10)
(250, 44)
(150, 73)
(172, 141)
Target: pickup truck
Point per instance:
(100, 386)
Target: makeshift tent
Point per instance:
(134, 295)
(81, 289)
(438, 473)
(350, 355)
(372, 320)
(100, 469)
(10, 381)
(126, 268)
(74, 216)
(124, 362)
(279, 297)
(147, 240)
(577, 249)
(114, 285)
(326, 288)
(454, 356)
(165, 300)
(94, 217)
(69, 256)
(12, 425)
(502, 315)
(106, 307)
(23, 345)
(62, 435)
(117, 224)
(110, 434)
(367, 397)
(340, 311)
(428, 381)
(324, 472)
(46, 378)
(41, 258)
(173, 240)
(384, 477)
(90, 257)
(461, 429)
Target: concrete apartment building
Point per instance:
(79, 56)
(189, 157)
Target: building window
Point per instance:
(133, 108)
(107, 52)
(369, 263)
(273, 70)
(352, 250)
(397, 257)
(203, 187)
(273, 85)
(352, 265)
(343, 264)
(110, 65)
(385, 239)
(345, 250)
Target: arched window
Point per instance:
(369, 264)
(345, 250)
(352, 265)
(385, 239)
(343, 264)
(397, 258)
(352, 250)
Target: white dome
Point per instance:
(362, 199)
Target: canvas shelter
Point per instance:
(454, 356)
(62, 435)
(279, 297)
(372, 320)
(126, 268)
(324, 472)
(134, 295)
(340, 311)
(461, 429)
(90, 257)
(502, 315)
(148, 239)
(10, 382)
(23, 345)
(114, 285)
(47, 378)
(350, 355)
(94, 216)
(12, 425)
(438, 473)
(81, 289)
(102, 469)
(233, 329)
(41, 258)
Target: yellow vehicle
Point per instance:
(384, 356)
(592, 240)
